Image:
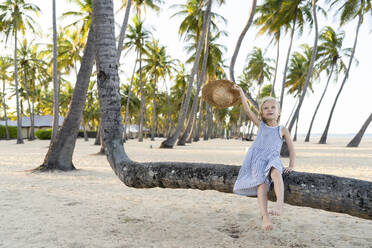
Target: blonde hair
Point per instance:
(266, 99)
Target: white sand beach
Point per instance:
(91, 207)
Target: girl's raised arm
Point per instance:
(246, 107)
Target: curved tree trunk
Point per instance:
(237, 48)
(323, 138)
(327, 192)
(358, 137)
(307, 139)
(19, 119)
(284, 151)
(287, 60)
(169, 143)
(123, 29)
(55, 77)
(7, 136)
(59, 155)
(190, 124)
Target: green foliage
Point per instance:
(44, 134)
(12, 132)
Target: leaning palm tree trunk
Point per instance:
(307, 139)
(59, 155)
(55, 74)
(358, 137)
(323, 138)
(169, 143)
(140, 126)
(237, 48)
(123, 29)
(331, 193)
(153, 112)
(284, 150)
(287, 60)
(190, 124)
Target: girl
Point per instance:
(262, 163)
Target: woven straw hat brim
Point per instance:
(220, 94)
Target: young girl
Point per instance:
(262, 163)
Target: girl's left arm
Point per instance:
(288, 140)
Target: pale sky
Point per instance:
(354, 104)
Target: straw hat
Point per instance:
(220, 94)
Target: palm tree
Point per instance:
(55, 76)
(258, 67)
(169, 142)
(137, 37)
(84, 16)
(30, 66)
(349, 11)
(138, 4)
(158, 65)
(5, 63)
(15, 16)
(330, 54)
(358, 137)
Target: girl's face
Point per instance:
(270, 111)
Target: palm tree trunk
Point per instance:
(128, 100)
(7, 136)
(323, 138)
(307, 139)
(153, 112)
(84, 128)
(287, 60)
(276, 65)
(55, 76)
(19, 120)
(97, 141)
(187, 134)
(140, 126)
(123, 29)
(170, 122)
(237, 48)
(169, 143)
(284, 150)
(200, 119)
(28, 104)
(206, 122)
(59, 155)
(358, 137)
(295, 135)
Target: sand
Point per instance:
(91, 207)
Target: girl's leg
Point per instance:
(276, 176)
(262, 204)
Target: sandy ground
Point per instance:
(90, 207)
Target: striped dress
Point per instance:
(260, 158)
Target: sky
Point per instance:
(354, 104)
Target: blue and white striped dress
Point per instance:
(260, 158)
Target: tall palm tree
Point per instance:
(136, 39)
(259, 67)
(5, 63)
(349, 11)
(169, 142)
(15, 14)
(330, 54)
(158, 65)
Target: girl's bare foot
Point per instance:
(267, 225)
(277, 210)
